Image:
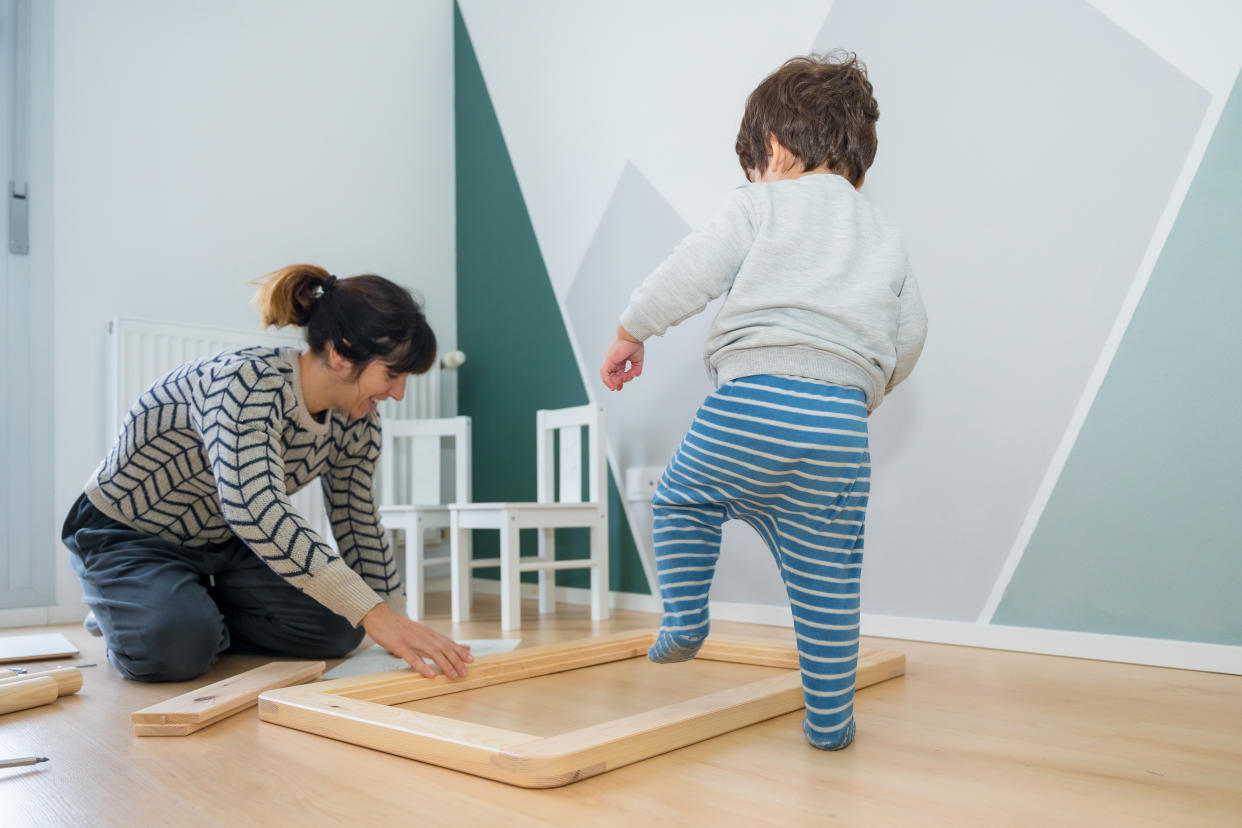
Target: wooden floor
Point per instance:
(967, 737)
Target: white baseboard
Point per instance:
(42, 616)
(1154, 652)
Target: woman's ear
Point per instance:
(335, 361)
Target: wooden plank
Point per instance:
(26, 693)
(33, 647)
(68, 679)
(184, 714)
(762, 652)
(398, 687)
(451, 743)
(559, 760)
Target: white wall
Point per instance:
(1027, 264)
(199, 145)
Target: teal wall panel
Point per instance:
(1142, 535)
(510, 326)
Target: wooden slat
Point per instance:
(758, 651)
(576, 416)
(537, 565)
(570, 466)
(199, 708)
(424, 470)
(398, 687)
(464, 746)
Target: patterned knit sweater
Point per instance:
(213, 450)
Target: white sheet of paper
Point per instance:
(375, 659)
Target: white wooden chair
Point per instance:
(557, 507)
(410, 486)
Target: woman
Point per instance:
(184, 539)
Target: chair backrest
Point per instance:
(410, 461)
(562, 428)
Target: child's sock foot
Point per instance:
(832, 740)
(670, 647)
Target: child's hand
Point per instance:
(624, 349)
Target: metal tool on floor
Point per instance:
(22, 760)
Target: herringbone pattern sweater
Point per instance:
(214, 449)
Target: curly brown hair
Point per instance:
(819, 107)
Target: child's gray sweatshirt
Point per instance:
(818, 286)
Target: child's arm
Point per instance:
(701, 268)
(911, 330)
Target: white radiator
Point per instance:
(141, 351)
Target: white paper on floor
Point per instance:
(375, 659)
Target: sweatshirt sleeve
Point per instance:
(241, 423)
(348, 488)
(911, 330)
(701, 268)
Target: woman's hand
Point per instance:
(411, 641)
(624, 349)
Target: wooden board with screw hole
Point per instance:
(192, 711)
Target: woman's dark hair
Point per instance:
(820, 108)
(364, 317)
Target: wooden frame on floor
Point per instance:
(357, 710)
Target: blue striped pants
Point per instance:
(789, 457)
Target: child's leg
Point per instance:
(797, 469)
(822, 584)
(687, 545)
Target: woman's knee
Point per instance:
(335, 638)
(173, 644)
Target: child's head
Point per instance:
(820, 108)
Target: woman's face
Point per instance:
(376, 382)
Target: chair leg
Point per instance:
(599, 573)
(547, 577)
(415, 578)
(510, 577)
(460, 570)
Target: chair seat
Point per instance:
(401, 508)
(527, 515)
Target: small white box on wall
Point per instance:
(641, 482)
